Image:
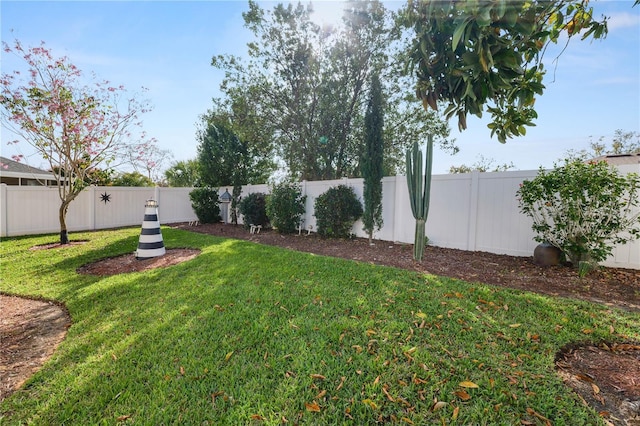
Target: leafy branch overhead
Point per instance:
(489, 52)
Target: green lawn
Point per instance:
(251, 334)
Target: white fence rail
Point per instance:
(476, 211)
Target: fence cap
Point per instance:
(151, 203)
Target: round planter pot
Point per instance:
(547, 255)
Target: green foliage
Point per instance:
(304, 88)
(204, 201)
(373, 159)
(622, 143)
(419, 192)
(254, 209)
(174, 345)
(472, 53)
(183, 174)
(583, 209)
(132, 179)
(336, 211)
(483, 165)
(285, 207)
(225, 159)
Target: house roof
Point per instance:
(619, 159)
(11, 168)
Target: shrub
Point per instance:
(583, 209)
(253, 208)
(285, 207)
(205, 203)
(336, 210)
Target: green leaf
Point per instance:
(457, 34)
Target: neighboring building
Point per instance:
(619, 159)
(15, 173)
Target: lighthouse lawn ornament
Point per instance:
(150, 244)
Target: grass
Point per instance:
(251, 334)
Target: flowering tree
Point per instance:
(148, 159)
(74, 126)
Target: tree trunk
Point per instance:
(62, 215)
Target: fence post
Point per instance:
(92, 201)
(3, 210)
(473, 211)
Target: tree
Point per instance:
(148, 159)
(226, 160)
(132, 179)
(622, 143)
(482, 165)
(373, 158)
(74, 126)
(183, 174)
(472, 54)
(309, 85)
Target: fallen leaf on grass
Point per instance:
(317, 376)
(467, 384)
(463, 395)
(313, 407)
(370, 403)
(438, 405)
(257, 417)
(596, 389)
(181, 370)
(342, 379)
(123, 418)
(456, 411)
(514, 325)
(228, 356)
(386, 393)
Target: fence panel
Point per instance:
(501, 228)
(174, 205)
(124, 208)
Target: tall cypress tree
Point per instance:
(372, 161)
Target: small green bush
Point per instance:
(583, 209)
(285, 207)
(336, 211)
(253, 208)
(205, 204)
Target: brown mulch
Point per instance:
(607, 377)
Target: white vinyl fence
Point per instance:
(475, 211)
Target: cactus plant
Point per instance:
(419, 192)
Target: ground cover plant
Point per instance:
(247, 333)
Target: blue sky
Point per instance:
(166, 46)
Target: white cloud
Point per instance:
(623, 20)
